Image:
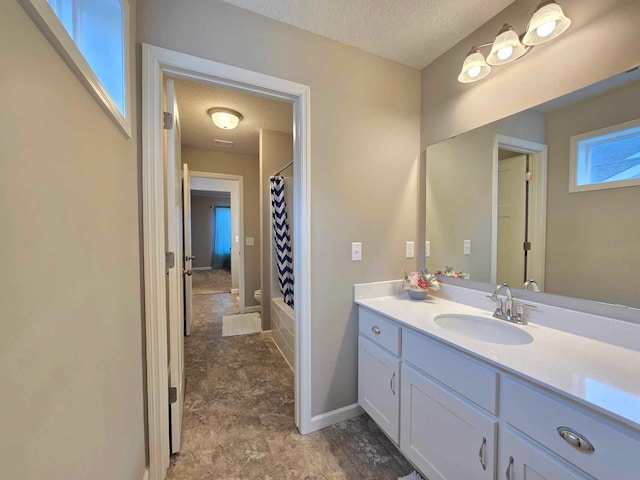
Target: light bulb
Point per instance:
(505, 52)
(473, 72)
(546, 29)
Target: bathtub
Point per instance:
(283, 329)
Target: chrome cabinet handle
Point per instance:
(509, 468)
(391, 385)
(375, 330)
(576, 440)
(483, 453)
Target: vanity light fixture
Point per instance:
(546, 23)
(224, 118)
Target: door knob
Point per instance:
(187, 258)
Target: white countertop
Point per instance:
(599, 375)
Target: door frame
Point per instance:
(240, 213)
(538, 202)
(156, 62)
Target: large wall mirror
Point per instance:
(550, 194)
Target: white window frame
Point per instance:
(46, 19)
(576, 149)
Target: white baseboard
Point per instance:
(201, 268)
(235, 291)
(331, 418)
(145, 476)
(253, 308)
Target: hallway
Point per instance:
(239, 408)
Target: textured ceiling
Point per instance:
(411, 32)
(194, 99)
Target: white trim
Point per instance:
(201, 268)
(156, 62)
(145, 475)
(240, 244)
(50, 25)
(596, 135)
(252, 309)
(335, 416)
(539, 207)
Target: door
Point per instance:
(379, 386)
(521, 460)
(188, 255)
(173, 238)
(442, 434)
(511, 220)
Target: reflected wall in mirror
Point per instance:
(505, 187)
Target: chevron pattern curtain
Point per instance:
(282, 239)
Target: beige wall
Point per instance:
(602, 41)
(365, 133)
(71, 358)
(592, 237)
(215, 161)
(459, 193)
(202, 218)
(276, 150)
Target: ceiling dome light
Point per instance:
(474, 67)
(548, 22)
(224, 118)
(506, 47)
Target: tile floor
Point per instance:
(239, 423)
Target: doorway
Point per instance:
(158, 63)
(519, 212)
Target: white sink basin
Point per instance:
(484, 329)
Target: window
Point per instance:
(92, 36)
(606, 158)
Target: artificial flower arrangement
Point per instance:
(421, 280)
(450, 272)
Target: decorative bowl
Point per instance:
(418, 294)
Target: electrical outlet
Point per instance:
(249, 241)
(410, 250)
(427, 249)
(356, 251)
(467, 247)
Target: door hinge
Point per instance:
(173, 394)
(528, 176)
(167, 120)
(169, 260)
(526, 246)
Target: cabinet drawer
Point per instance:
(539, 415)
(466, 376)
(379, 330)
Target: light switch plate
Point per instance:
(410, 250)
(356, 251)
(427, 249)
(467, 247)
(249, 241)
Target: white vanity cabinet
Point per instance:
(378, 386)
(445, 436)
(519, 459)
(459, 417)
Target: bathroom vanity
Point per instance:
(465, 396)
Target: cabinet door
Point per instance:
(379, 385)
(445, 436)
(519, 459)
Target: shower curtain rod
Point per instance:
(283, 168)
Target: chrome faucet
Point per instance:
(531, 285)
(505, 307)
